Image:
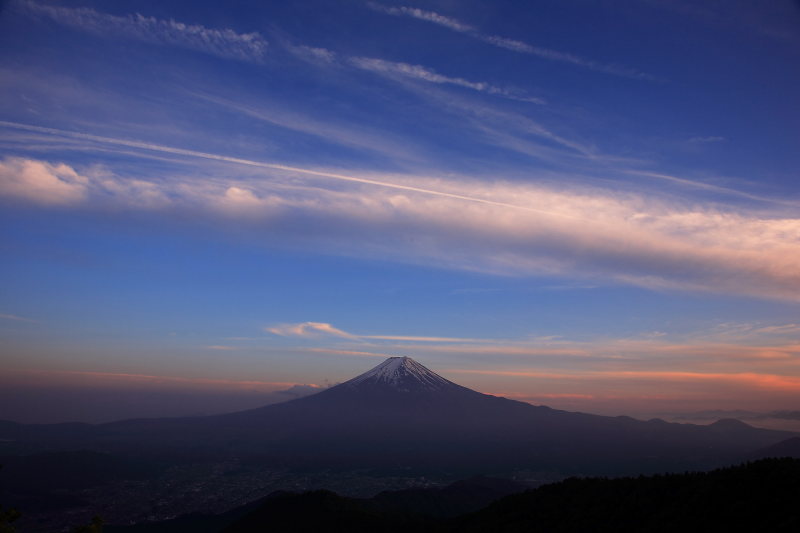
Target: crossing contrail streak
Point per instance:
(273, 166)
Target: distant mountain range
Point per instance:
(401, 415)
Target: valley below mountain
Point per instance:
(718, 500)
(397, 426)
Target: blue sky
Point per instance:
(591, 205)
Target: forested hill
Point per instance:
(757, 496)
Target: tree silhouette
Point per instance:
(95, 526)
(7, 516)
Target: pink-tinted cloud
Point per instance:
(499, 227)
(41, 182)
(307, 329)
(59, 184)
(314, 329)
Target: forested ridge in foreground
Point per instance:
(755, 496)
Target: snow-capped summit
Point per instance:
(400, 414)
(402, 374)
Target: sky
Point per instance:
(591, 205)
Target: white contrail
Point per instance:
(272, 166)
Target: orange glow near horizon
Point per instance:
(767, 381)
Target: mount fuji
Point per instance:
(400, 414)
(398, 397)
(402, 374)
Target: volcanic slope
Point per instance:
(402, 415)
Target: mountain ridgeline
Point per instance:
(401, 415)
(399, 421)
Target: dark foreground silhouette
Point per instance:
(757, 496)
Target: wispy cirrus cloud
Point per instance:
(574, 374)
(312, 54)
(392, 68)
(356, 353)
(16, 318)
(698, 353)
(754, 332)
(416, 338)
(513, 131)
(783, 329)
(338, 132)
(227, 43)
(510, 44)
(711, 187)
(507, 130)
(707, 139)
(398, 69)
(498, 227)
(315, 329)
(421, 14)
(770, 382)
